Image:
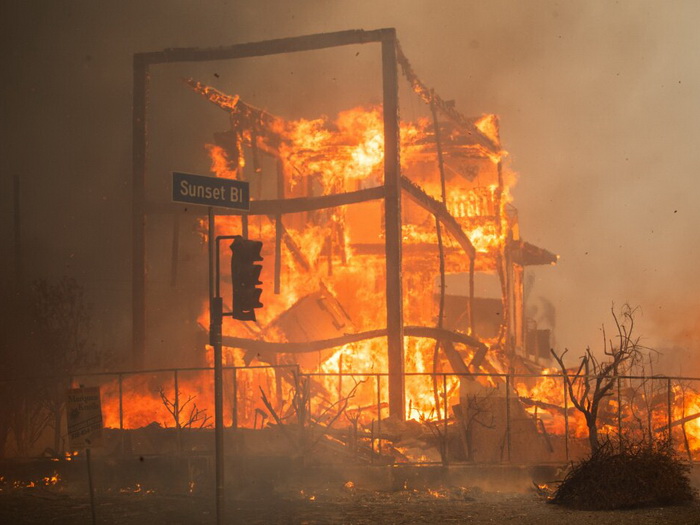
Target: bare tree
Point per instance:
(186, 414)
(306, 424)
(594, 379)
(474, 411)
(61, 324)
(42, 343)
(20, 398)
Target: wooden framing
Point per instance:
(391, 189)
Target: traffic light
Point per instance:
(245, 276)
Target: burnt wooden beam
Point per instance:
(445, 107)
(455, 360)
(527, 401)
(470, 304)
(440, 211)
(141, 63)
(293, 247)
(302, 204)
(677, 422)
(478, 357)
(274, 207)
(392, 226)
(446, 336)
(268, 47)
(526, 254)
(138, 212)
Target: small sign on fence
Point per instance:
(84, 415)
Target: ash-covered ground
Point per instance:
(342, 504)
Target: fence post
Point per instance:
(234, 403)
(669, 414)
(178, 437)
(307, 394)
(508, 415)
(566, 416)
(379, 414)
(121, 414)
(444, 390)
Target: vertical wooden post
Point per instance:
(138, 217)
(329, 255)
(280, 179)
(504, 269)
(441, 259)
(472, 329)
(392, 220)
(279, 229)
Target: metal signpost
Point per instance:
(226, 193)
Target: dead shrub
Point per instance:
(638, 476)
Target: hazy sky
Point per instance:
(599, 105)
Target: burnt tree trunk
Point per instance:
(592, 431)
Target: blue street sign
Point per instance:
(211, 191)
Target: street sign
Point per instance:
(84, 417)
(211, 191)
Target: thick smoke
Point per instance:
(598, 105)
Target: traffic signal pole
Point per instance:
(215, 322)
(249, 253)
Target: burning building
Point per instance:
(393, 272)
(392, 249)
(329, 268)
